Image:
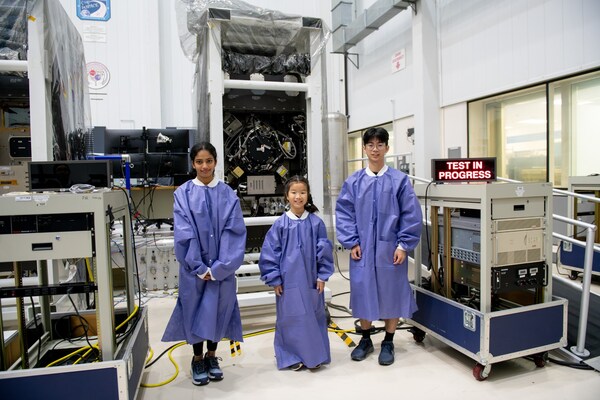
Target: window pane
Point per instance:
(575, 118)
(586, 127)
(512, 128)
(355, 152)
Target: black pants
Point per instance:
(199, 347)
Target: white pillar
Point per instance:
(427, 135)
(39, 99)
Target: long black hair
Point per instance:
(309, 206)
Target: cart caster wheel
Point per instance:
(480, 373)
(418, 335)
(573, 275)
(540, 359)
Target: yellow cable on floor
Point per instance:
(258, 333)
(235, 344)
(150, 355)
(152, 385)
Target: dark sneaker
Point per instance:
(212, 366)
(364, 348)
(297, 366)
(199, 373)
(386, 357)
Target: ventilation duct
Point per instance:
(347, 32)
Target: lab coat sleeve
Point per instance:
(270, 257)
(187, 246)
(345, 218)
(324, 254)
(232, 244)
(411, 218)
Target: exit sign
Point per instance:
(464, 169)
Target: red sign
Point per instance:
(464, 169)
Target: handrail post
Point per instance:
(580, 350)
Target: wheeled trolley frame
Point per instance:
(489, 295)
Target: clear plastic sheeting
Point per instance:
(238, 63)
(277, 33)
(70, 107)
(63, 57)
(13, 29)
(251, 40)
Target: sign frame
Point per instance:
(450, 170)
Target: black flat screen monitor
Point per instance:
(152, 166)
(119, 141)
(61, 175)
(168, 140)
(133, 141)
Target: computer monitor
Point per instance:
(122, 141)
(61, 175)
(151, 167)
(168, 140)
(132, 141)
(155, 154)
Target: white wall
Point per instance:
(375, 94)
(128, 45)
(176, 73)
(454, 128)
(487, 47)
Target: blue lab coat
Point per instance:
(209, 233)
(295, 253)
(379, 212)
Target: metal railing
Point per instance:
(590, 246)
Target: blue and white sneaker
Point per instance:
(199, 373)
(211, 364)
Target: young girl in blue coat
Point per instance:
(210, 241)
(296, 260)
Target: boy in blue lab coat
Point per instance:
(378, 217)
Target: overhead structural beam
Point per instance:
(348, 32)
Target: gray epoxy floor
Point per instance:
(426, 370)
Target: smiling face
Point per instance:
(376, 151)
(297, 196)
(204, 165)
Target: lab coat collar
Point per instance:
(293, 216)
(211, 184)
(381, 172)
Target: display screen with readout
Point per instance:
(464, 169)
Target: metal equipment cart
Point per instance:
(42, 227)
(490, 291)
